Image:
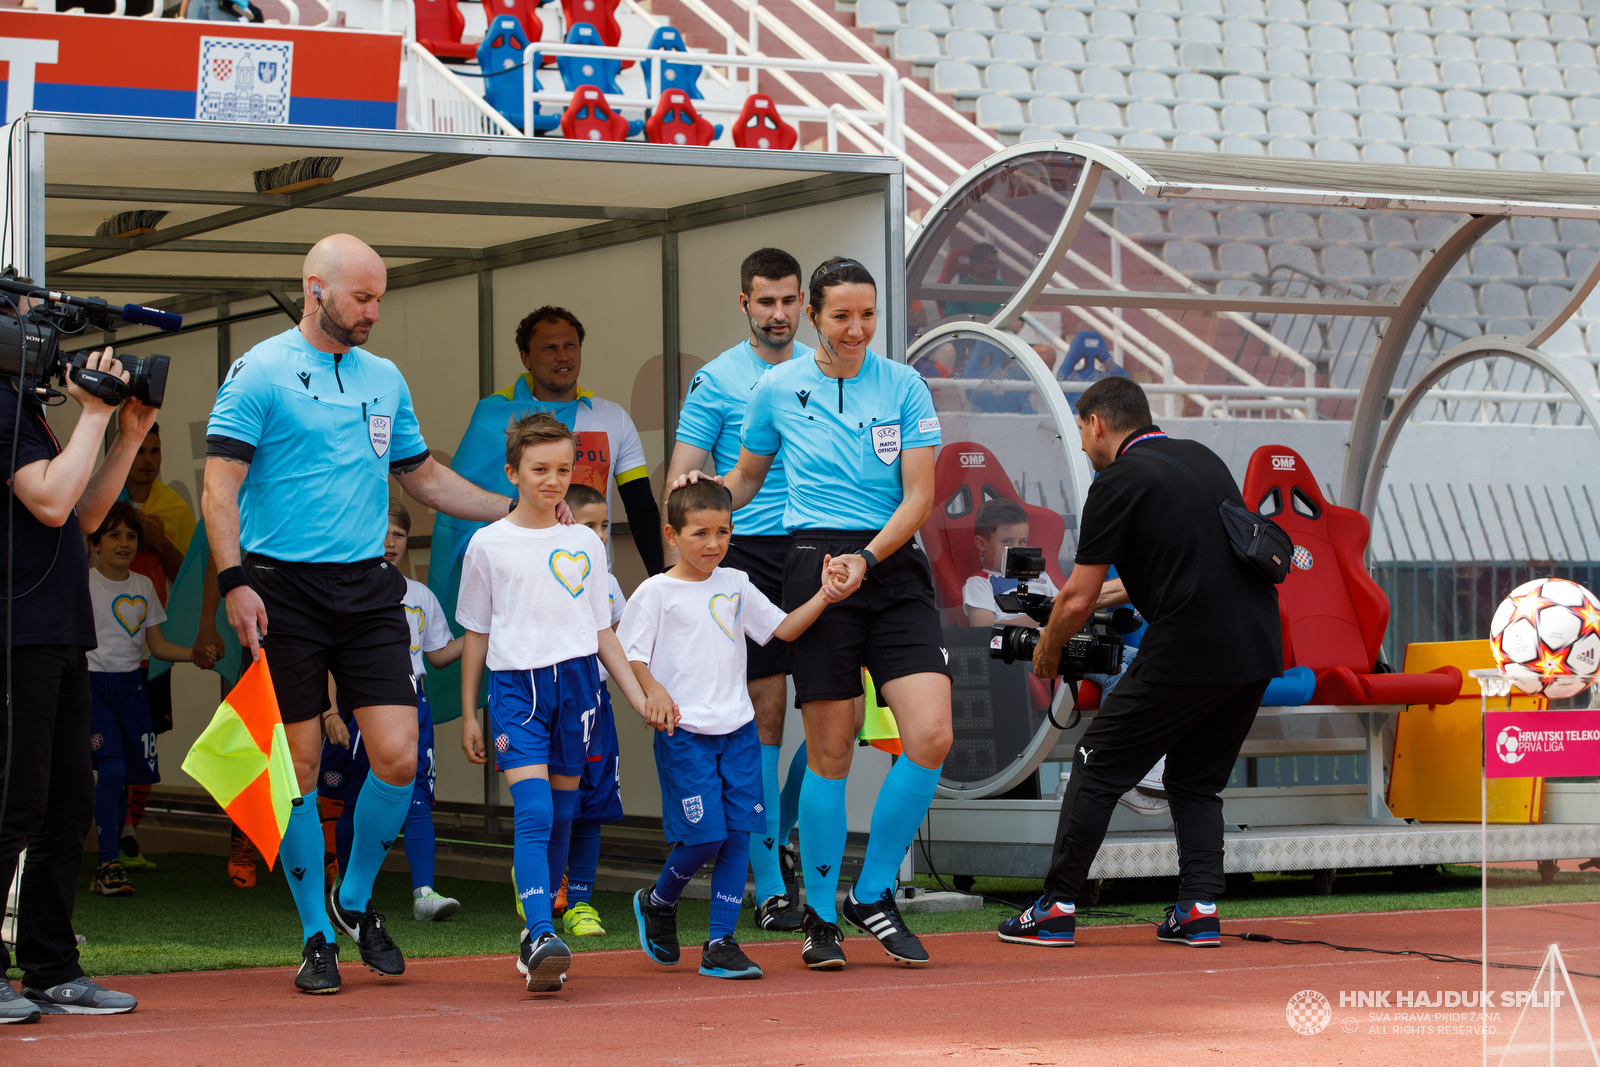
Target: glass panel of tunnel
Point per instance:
(1002, 477)
(980, 248)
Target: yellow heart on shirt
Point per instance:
(726, 607)
(130, 612)
(416, 618)
(570, 569)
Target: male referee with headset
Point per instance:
(1192, 692)
(305, 433)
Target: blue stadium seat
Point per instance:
(500, 59)
(685, 76)
(584, 70)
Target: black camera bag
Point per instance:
(1254, 538)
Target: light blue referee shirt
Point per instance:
(712, 418)
(840, 438)
(321, 433)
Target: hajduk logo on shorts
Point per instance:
(501, 743)
(693, 809)
(886, 443)
(333, 779)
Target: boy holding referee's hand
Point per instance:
(684, 633)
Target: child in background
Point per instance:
(536, 614)
(600, 793)
(684, 634)
(344, 761)
(122, 741)
(1000, 524)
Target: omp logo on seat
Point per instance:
(1283, 463)
(972, 459)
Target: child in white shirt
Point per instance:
(684, 635)
(1000, 524)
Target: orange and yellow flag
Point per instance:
(243, 760)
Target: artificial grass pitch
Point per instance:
(187, 916)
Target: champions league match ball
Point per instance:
(1546, 637)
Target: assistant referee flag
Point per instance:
(243, 760)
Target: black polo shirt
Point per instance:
(1213, 621)
(50, 575)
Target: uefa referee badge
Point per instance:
(378, 432)
(886, 443)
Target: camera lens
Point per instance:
(1013, 643)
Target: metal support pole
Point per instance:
(485, 332)
(224, 345)
(671, 385)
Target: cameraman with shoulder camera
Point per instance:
(46, 784)
(1192, 692)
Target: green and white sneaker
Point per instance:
(428, 906)
(132, 858)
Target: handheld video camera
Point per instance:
(30, 346)
(1095, 649)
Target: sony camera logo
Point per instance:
(1283, 463)
(972, 459)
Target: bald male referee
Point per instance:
(305, 433)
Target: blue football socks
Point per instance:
(564, 805)
(789, 801)
(764, 853)
(902, 804)
(380, 812)
(419, 842)
(822, 833)
(300, 856)
(727, 883)
(583, 860)
(683, 863)
(110, 810)
(532, 813)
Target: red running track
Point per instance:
(1117, 998)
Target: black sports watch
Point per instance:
(872, 561)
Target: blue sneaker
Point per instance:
(1193, 922)
(658, 929)
(723, 958)
(1053, 925)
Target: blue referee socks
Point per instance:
(380, 812)
(789, 801)
(532, 812)
(300, 856)
(822, 833)
(902, 805)
(764, 849)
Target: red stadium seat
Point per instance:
(760, 126)
(1334, 615)
(589, 117)
(601, 14)
(675, 121)
(524, 11)
(439, 26)
(965, 476)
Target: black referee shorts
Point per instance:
(762, 558)
(341, 617)
(890, 625)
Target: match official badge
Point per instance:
(378, 427)
(886, 443)
(693, 809)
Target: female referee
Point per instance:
(856, 433)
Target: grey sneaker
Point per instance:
(428, 906)
(84, 996)
(16, 1008)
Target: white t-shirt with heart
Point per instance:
(430, 631)
(542, 596)
(122, 612)
(691, 636)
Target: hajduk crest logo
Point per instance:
(1308, 1012)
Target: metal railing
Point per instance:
(729, 62)
(439, 102)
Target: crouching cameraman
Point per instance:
(46, 784)
(1192, 692)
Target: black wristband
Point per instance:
(872, 561)
(231, 578)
